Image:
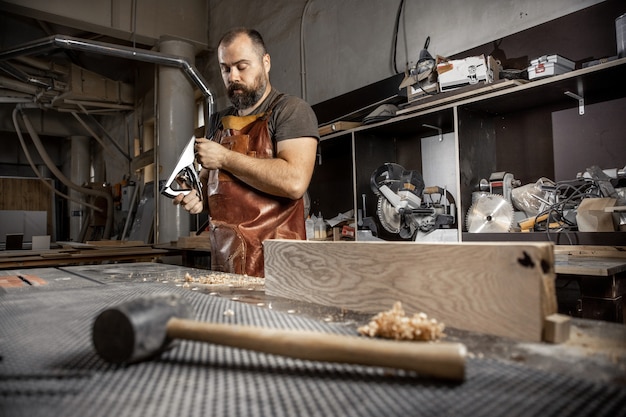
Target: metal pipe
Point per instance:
(23, 76)
(99, 104)
(99, 139)
(77, 44)
(21, 87)
(43, 65)
(176, 103)
(69, 42)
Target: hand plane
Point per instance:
(184, 177)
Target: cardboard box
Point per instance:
(549, 65)
(457, 73)
(591, 215)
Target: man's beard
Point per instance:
(247, 97)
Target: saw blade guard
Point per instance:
(396, 178)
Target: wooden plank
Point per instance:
(142, 160)
(588, 265)
(201, 241)
(136, 254)
(116, 243)
(591, 250)
(26, 252)
(337, 127)
(466, 92)
(505, 289)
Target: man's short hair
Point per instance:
(254, 35)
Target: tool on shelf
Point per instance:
(402, 206)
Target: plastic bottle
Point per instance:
(310, 228)
(320, 228)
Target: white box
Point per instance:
(549, 65)
(41, 242)
(461, 72)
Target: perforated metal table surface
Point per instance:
(49, 367)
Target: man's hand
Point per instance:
(210, 154)
(190, 202)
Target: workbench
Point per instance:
(591, 282)
(49, 367)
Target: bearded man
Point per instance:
(257, 160)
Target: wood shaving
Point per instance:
(217, 278)
(394, 324)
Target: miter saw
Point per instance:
(401, 206)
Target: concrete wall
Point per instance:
(348, 44)
(142, 21)
(344, 45)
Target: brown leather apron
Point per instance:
(241, 216)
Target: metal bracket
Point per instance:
(438, 129)
(581, 101)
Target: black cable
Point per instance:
(395, 37)
(588, 189)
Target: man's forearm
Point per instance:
(273, 175)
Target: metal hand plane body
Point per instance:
(184, 177)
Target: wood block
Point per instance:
(556, 328)
(201, 241)
(505, 289)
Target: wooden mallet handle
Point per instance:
(442, 360)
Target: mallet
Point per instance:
(144, 327)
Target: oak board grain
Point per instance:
(505, 289)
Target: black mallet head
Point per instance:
(137, 329)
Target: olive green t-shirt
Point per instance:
(292, 117)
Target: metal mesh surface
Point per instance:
(48, 367)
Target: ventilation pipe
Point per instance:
(77, 44)
(175, 101)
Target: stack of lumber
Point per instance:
(73, 253)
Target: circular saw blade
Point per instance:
(491, 213)
(388, 216)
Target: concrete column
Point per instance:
(175, 103)
(80, 165)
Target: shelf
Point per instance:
(507, 126)
(559, 238)
(601, 82)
